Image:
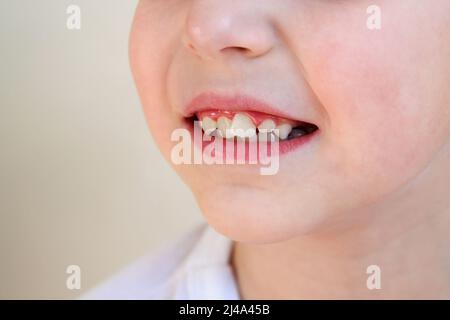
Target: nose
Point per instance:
(216, 29)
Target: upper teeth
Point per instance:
(223, 126)
(209, 125)
(284, 130)
(266, 128)
(267, 125)
(242, 126)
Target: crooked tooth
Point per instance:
(265, 129)
(267, 125)
(284, 130)
(209, 125)
(223, 126)
(242, 126)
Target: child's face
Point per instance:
(380, 99)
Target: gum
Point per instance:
(257, 117)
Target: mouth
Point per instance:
(245, 120)
(248, 124)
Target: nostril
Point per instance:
(239, 50)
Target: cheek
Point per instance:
(378, 130)
(149, 68)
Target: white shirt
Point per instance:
(195, 267)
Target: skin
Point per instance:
(371, 188)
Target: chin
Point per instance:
(257, 216)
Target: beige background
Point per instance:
(81, 181)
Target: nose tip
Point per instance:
(219, 31)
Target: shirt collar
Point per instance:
(207, 273)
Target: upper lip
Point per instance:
(239, 102)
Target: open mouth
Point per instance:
(251, 124)
(243, 120)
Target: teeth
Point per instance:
(223, 126)
(242, 126)
(265, 128)
(209, 125)
(267, 125)
(284, 130)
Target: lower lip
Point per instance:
(285, 146)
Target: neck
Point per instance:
(407, 237)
